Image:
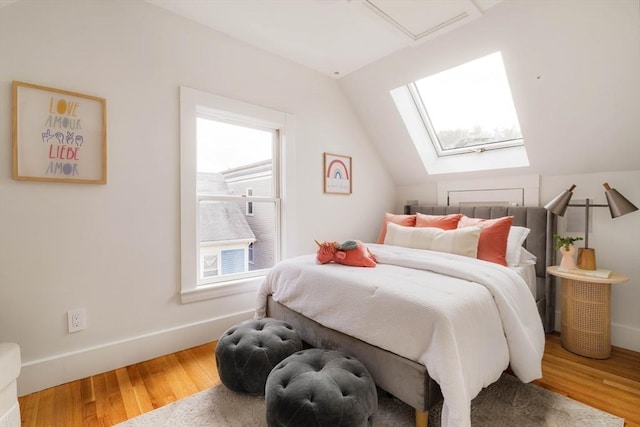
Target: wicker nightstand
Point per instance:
(586, 312)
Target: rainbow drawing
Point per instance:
(337, 174)
(337, 170)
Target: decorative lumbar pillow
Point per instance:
(445, 222)
(492, 245)
(515, 240)
(351, 252)
(406, 220)
(461, 241)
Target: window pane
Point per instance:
(251, 253)
(263, 225)
(471, 105)
(210, 265)
(224, 228)
(229, 153)
(232, 261)
(249, 193)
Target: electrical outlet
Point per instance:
(77, 320)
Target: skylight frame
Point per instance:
(421, 108)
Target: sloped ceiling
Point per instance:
(334, 37)
(573, 66)
(574, 72)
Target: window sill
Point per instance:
(221, 290)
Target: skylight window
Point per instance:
(463, 119)
(468, 107)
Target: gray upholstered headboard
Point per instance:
(539, 242)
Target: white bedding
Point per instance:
(528, 274)
(465, 320)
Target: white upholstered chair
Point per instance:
(9, 371)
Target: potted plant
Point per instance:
(567, 249)
(565, 242)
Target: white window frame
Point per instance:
(192, 104)
(433, 136)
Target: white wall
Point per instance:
(114, 249)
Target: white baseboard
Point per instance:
(625, 337)
(11, 418)
(622, 336)
(59, 369)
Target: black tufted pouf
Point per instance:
(323, 388)
(247, 352)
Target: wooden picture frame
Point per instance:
(58, 135)
(337, 174)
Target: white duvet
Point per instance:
(466, 320)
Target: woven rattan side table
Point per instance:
(586, 312)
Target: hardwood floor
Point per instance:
(612, 385)
(112, 397)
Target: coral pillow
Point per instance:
(462, 241)
(405, 220)
(492, 245)
(444, 222)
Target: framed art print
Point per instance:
(58, 135)
(337, 174)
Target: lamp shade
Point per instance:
(618, 204)
(560, 203)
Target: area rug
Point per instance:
(508, 402)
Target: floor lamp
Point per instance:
(618, 205)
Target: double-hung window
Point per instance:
(230, 194)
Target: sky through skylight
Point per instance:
(474, 97)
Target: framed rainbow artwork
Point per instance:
(337, 174)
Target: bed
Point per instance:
(403, 372)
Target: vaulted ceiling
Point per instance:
(572, 65)
(334, 37)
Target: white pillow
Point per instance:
(516, 238)
(460, 241)
(527, 257)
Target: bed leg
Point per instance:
(422, 418)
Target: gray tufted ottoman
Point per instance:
(247, 352)
(318, 387)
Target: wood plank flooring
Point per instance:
(612, 385)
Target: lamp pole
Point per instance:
(586, 255)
